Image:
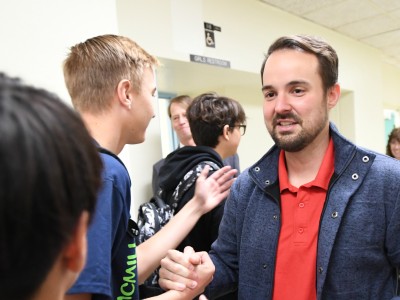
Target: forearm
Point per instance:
(170, 236)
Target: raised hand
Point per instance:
(210, 191)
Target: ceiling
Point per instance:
(374, 22)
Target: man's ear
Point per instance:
(333, 95)
(225, 132)
(124, 92)
(74, 253)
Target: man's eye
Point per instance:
(298, 91)
(269, 95)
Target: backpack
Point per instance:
(152, 216)
(155, 213)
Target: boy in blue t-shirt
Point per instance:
(111, 81)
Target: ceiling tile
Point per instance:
(370, 26)
(299, 7)
(344, 12)
(393, 50)
(395, 13)
(374, 22)
(384, 40)
(387, 5)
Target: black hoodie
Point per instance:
(175, 167)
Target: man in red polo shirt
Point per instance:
(317, 217)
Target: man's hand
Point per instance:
(186, 270)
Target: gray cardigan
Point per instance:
(359, 237)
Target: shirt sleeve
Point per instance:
(224, 250)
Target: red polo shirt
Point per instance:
(295, 269)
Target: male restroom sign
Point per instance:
(209, 34)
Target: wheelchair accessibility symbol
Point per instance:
(210, 39)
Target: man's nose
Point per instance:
(282, 103)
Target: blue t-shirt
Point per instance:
(111, 268)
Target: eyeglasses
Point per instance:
(242, 128)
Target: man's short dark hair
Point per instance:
(209, 113)
(50, 174)
(326, 55)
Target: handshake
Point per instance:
(188, 272)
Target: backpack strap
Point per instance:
(188, 180)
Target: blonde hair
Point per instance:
(182, 99)
(93, 69)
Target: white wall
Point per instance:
(36, 35)
(390, 84)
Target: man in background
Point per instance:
(177, 113)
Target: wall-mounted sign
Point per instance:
(211, 27)
(209, 34)
(210, 61)
(210, 39)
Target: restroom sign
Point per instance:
(209, 34)
(210, 61)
